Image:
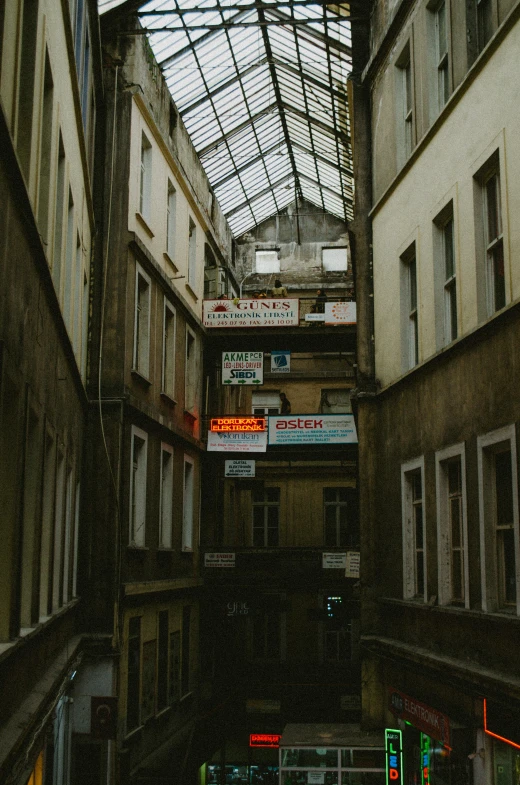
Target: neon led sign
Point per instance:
(496, 735)
(394, 756)
(264, 739)
(425, 759)
(234, 424)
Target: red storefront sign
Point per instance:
(430, 721)
(264, 739)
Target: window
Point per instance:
(191, 382)
(405, 118)
(498, 501)
(452, 526)
(29, 38)
(141, 360)
(145, 188)
(45, 153)
(185, 652)
(409, 309)
(441, 55)
(339, 516)
(414, 567)
(59, 218)
(266, 510)
(171, 220)
(266, 403)
(334, 259)
(162, 659)
(445, 276)
(494, 247)
(59, 514)
(168, 359)
(266, 634)
(166, 497)
(133, 689)
(192, 253)
(484, 22)
(70, 262)
(337, 633)
(31, 507)
(267, 262)
(49, 484)
(335, 401)
(189, 504)
(138, 461)
(174, 676)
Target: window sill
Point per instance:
(170, 261)
(168, 398)
(141, 220)
(190, 416)
(191, 291)
(137, 548)
(140, 377)
(164, 549)
(187, 552)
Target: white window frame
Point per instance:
(405, 104)
(191, 366)
(166, 498)
(141, 353)
(145, 178)
(267, 261)
(487, 445)
(171, 219)
(188, 504)
(445, 282)
(491, 244)
(265, 403)
(410, 343)
(168, 353)
(444, 545)
(408, 524)
(192, 252)
(334, 259)
(137, 498)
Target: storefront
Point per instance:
(331, 755)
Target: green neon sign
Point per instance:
(394, 756)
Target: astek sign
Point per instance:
(242, 367)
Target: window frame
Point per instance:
(188, 505)
(191, 366)
(133, 540)
(145, 177)
(192, 252)
(171, 219)
(141, 352)
(169, 345)
(405, 93)
(265, 504)
(136, 692)
(410, 550)
(445, 282)
(410, 343)
(339, 540)
(488, 446)
(444, 529)
(487, 246)
(166, 502)
(271, 265)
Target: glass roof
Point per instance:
(261, 88)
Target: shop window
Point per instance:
(414, 540)
(266, 513)
(498, 502)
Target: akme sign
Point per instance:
(251, 313)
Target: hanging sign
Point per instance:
(333, 561)
(424, 717)
(313, 429)
(340, 313)
(394, 756)
(242, 367)
(239, 468)
(237, 442)
(276, 312)
(219, 559)
(280, 361)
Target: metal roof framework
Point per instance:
(261, 88)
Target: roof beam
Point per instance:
(189, 47)
(258, 195)
(346, 199)
(212, 93)
(240, 127)
(322, 159)
(242, 168)
(339, 46)
(236, 7)
(233, 25)
(337, 93)
(329, 129)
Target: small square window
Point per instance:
(267, 262)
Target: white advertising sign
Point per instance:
(280, 361)
(242, 367)
(219, 560)
(314, 317)
(340, 313)
(275, 312)
(241, 441)
(313, 429)
(334, 561)
(238, 468)
(352, 564)
(316, 777)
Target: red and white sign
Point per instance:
(276, 312)
(340, 313)
(313, 429)
(432, 722)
